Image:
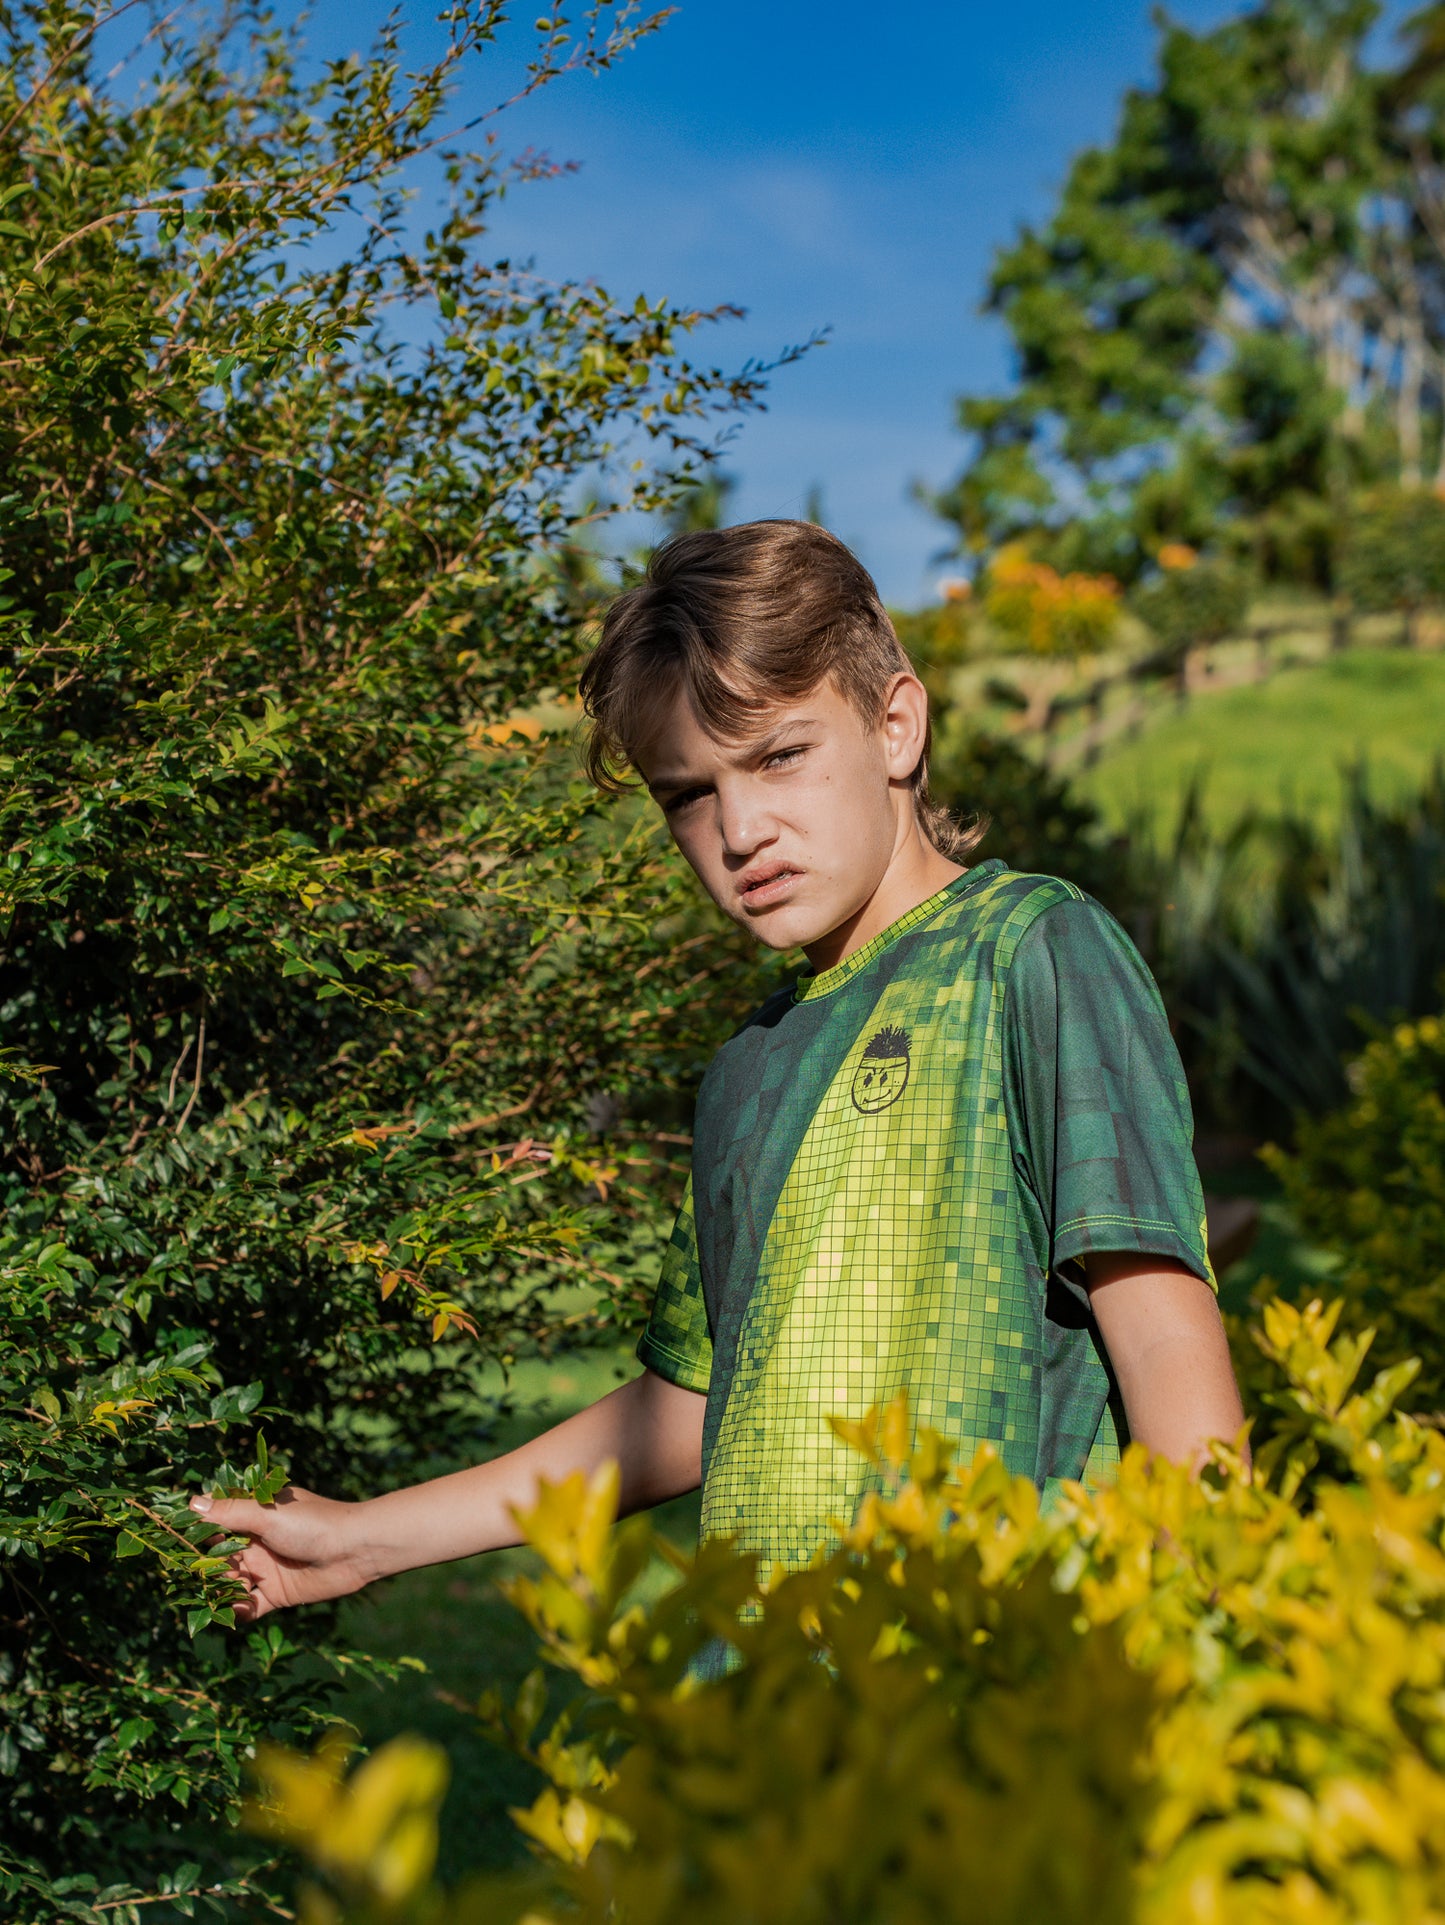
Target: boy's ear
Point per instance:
(905, 725)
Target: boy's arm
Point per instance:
(305, 1548)
(1161, 1327)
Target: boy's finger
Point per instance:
(229, 1514)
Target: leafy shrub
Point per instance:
(1393, 554)
(1033, 607)
(294, 884)
(1169, 1702)
(1369, 1179)
(1190, 603)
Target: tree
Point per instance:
(317, 961)
(1187, 603)
(1236, 315)
(1394, 555)
(703, 507)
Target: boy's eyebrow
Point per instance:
(749, 751)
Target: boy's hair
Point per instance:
(746, 620)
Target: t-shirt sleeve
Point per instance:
(1103, 1134)
(677, 1343)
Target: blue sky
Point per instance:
(850, 167)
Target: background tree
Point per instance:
(1236, 314)
(317, 961)
(1188, 602)
(704, 507)
(1394, 555)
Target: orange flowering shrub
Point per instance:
(1034, 607)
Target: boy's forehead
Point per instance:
(677, 729)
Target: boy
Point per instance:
(953, 1158)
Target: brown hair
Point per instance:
(745, 620)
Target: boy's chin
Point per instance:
(782, 932)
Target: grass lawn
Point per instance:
(470, 1639)
(1281, 744)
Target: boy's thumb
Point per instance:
(241, 1514)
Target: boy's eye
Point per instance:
(682, 800)
(781, 758)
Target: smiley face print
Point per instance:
(882, 1073)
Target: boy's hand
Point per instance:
(303, 1548)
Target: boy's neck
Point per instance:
(916, 872)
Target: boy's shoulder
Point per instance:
(1005, 902)
(987, 913)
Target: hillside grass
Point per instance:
(1281, 746)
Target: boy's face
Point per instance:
(793, 831)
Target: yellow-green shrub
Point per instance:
(1213, 1703)
(1369, 1179)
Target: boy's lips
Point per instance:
(766, 884)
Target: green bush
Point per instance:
(1166, 1702)
(1369, 1180)
(1393, 555)
(296, 888)
(1184, 607)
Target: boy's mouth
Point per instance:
(771, 883)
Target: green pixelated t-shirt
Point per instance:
(897, 1165)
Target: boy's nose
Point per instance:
(745, 824)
